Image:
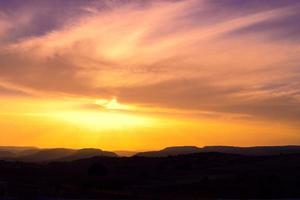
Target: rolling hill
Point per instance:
(248, 151)
(55, 154)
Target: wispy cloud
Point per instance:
(190, 55)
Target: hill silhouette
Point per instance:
(249, 151)
(32, 154)
(87, 153)
(47, 155)
(16, 149)
(171, 151)
(55, 154)
(257, 151)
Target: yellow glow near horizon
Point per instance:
(102, 120)
(138, 75)
(112, 125)
(109, 115)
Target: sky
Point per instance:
(141, 75)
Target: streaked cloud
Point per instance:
(209, 56)
(12, 92)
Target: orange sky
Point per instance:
(123, 75)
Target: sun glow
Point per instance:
(102, 120)
(113, 104)
(137, 75)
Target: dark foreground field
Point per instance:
(192, 176)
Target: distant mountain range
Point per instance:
(170, 151)
(249, 151)
(32, 154)
(56, 154)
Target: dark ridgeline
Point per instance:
(195, 175)
(249, 151)
(171, 151)
(47, 155)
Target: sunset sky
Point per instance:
(140, 75)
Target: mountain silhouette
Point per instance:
(16, 149)
(47, 155)
(87, 153)
(170, 151)
(249, 151)
(55, 154)
(32, 154)
(253, 151)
